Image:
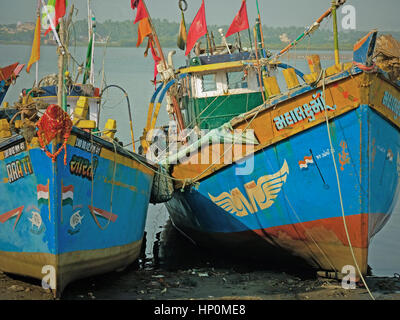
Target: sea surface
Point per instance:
(128, 68)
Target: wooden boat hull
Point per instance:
(291, 199)
(54, 217)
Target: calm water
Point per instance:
(128, 68)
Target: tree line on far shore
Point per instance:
(124, 34)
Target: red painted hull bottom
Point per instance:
(321, 244)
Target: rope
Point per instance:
(340, 191)
(365, 68)
(112, 181)
(163, 152)
(298, 218)
(229, 149)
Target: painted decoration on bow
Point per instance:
(75, 222)
(343, 156)
(260, 195)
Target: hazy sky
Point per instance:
(370, 14)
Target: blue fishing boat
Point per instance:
(310, 173)
(73, 199)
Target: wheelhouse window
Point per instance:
(236, 80)
(209, 82)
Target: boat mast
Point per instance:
(91, 27)
(37, 62)
(60, 86)
(335, 33)
(260, 35)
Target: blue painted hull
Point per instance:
(299, 212)
(54, 214)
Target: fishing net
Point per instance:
(387, 54)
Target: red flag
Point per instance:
(60, 9)
(156, 58)
(197, 29)
(141, 12)
(240, 22)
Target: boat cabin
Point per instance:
(217, 89)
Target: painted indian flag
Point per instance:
(43, 194)
(307, 160)
(67, 195)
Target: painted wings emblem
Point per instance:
(260, 195)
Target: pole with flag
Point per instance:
(60, 8)
(240, 22)
(52, 26)
(141, 14)
(197, 29)
(260, 32)
(60, 12)
(35, 54)
(146, 29)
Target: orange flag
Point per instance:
(35, 55)
(144, 30)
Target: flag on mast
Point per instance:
(141, 11)
(156, 58)
(60, 10)
(144, 30)
(88, 64)
(182, 37)
(197, 29)
(240, 22)
(35, 54)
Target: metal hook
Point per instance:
(181, 3)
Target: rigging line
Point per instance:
(103, 82)
(339, 189)
(229, 149)
(208, 168)
(198, 116)
(163, 152)
(92, 191)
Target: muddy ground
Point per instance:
(205, 283)
(187, 272)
